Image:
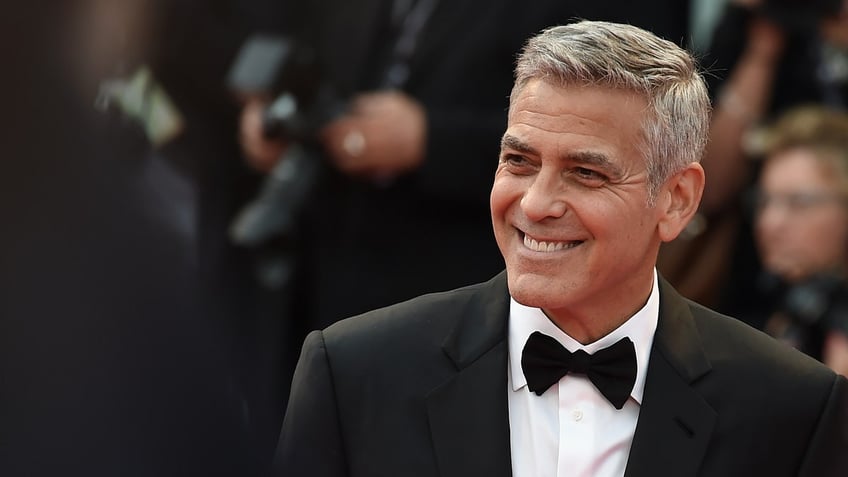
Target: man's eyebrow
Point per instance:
(509, 141)
(596, 159)
(590, 158)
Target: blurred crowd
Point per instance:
(189, 187)
(768, 245)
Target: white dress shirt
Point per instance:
(571, 429)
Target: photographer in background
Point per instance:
(765, 57)
(769, 55)
(420, 79)
(801, 229)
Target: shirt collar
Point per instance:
(640, 328)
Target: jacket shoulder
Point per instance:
(430, 310)
(419, 325)
(757, 366)
(729, 341)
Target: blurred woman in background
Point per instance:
(801, 232)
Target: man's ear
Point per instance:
(683, 193)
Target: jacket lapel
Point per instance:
(469, 413)
(675, 423)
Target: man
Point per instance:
(598, 166)
(414, 152)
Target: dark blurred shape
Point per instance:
(259, 66)
(272, 214)
(801, 16)
(803, 313)
(288, 71)
(126, 348)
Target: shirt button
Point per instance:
(577, 414)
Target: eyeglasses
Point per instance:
(796, 202)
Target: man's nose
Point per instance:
(545, 197)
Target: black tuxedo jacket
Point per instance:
(420, 389)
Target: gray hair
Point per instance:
(629, 58)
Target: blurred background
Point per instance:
(188, 187)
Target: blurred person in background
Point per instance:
(765, 56)
(801, 231)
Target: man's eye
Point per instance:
(516, 162)
(589, 174)
(514, 159)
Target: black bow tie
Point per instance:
(612, 370)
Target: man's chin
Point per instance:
(532, 290)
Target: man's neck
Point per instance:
(587, 325)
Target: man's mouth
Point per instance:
(548, 245)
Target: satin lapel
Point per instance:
(469, 414)
(675, 423)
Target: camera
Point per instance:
(290, 72)
(303, 101)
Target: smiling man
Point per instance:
(570, 205)
(578, 360)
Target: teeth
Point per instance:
(537, 246)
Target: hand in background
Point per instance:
(261, 152)
(383, 134)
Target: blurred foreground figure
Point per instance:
(115, 359)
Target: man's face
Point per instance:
(569, 202)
